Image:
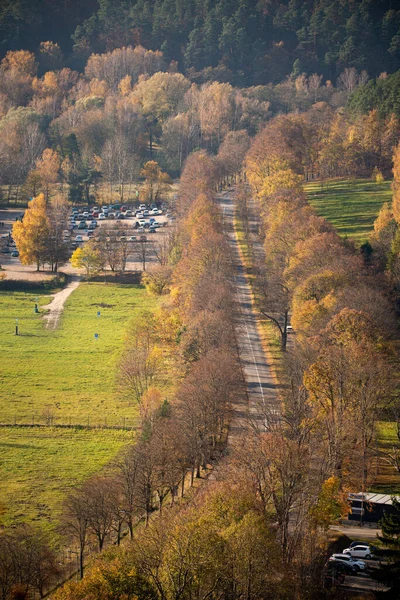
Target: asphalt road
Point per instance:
(262, 408)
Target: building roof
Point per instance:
(373, 498)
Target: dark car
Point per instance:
(120, 216)
(15, 253)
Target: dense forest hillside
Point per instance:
(245, 42)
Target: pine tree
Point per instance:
(389, 573)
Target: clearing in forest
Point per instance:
(350, 205)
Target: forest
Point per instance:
(244, 42)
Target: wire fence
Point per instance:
(39, 421)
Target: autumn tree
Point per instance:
(75, 522)
(88, 258)
(31, 234)
(140, 363)
(48, 167)
(156, 183)
(157, 280)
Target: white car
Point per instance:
(142, 222)
(356, 565)
(139, 215)
(79, 238)
(132, 238)
(360, 551)
(102, 217)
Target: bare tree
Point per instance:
(140, 364)
(127, 476)
(142, 250)
(75, 522)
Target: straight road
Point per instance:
(262, 407)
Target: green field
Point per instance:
(39, 466)
(68, 373)
(351, 206)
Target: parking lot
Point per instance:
(83, 228)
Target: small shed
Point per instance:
(369, 507)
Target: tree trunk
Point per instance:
(81, 564)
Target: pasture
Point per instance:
(350, 205)
(61, 377)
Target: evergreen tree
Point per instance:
(389, 573)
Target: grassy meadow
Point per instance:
(67, 370)
(68, 373)
(351, 206)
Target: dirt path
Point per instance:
(56, 307)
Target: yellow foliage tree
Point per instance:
(31, 235)
(88, 258)
(330, 504)
(156, 182)
(48, 168)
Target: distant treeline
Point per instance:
(244, 42)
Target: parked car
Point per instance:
(102, 217)
(15, 253)
(359, 552)
(124, 208)
(111, 215)
(79, 238)
(128, 213)
(142, 207)
(90, 234)
(146, 213)
(142, 222)
(132, 238)
(91, 226)
(357, 565)
(140, 229)
(152, 230)
(120, 216)
(356, 543)
(95, 215)
(82, 225)
(86, 215)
